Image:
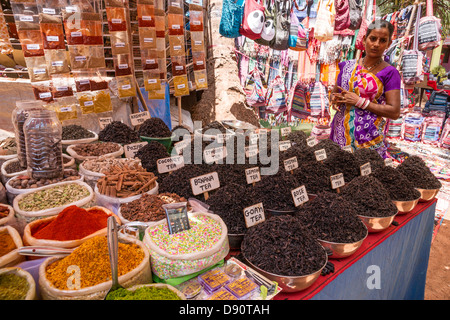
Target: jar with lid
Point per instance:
(43, 136)
(19, 116)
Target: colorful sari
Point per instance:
(354, 126)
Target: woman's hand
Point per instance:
(345, 96)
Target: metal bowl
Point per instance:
(272, 212)
(235, 240)
(338, 250)
(427, 194)
(377, 224)
(291, 283)
(406, 206)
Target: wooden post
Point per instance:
(180, 113)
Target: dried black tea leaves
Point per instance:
(214, 125)
(344, 162)
(118, 132)
(75, 132)
(332, 218)
(366, 155)
(369, 197)
(154, 128)
(283, 246)
(396, 183)
(298, 137)
(150, 154)
(418, 173)
(315, 176)
(329, 145)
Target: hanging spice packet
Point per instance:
(175, 6)
(197, 41)
(178, 65)
(91, 24)
(31, 42)
(175, 24)
(57, 61)
(126, 86)
(201, 80)
(52, 32)
(42, 91)
(147, 38)
(199, 60)
(120, 44)
(86, 101)
(177, 46)
(181, 86)
(152, 80)
(73, 29)
(102, 101)
(196, 20)
(146, 15)
(37, 68)
(160, 26)
(62, 86)
(82, 80)
(122, 64)
(157, 94)
(116, 19)
(149, 59)
(78, 57)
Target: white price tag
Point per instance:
(139, 118)
(284, 145)
(65, 109)
(26, 18)
(252, 175)
(205, 183)
(57, 63)
(48, 11)
(88, 103)
(170, 164)
(33, 46)
(214, 154)
(76, 34)
(291, 164)
(103, 122)
(254, 215)
(285, 131)
(132, 148)
(39, 71)
(320, 154)
(348, 148)
(179, 146)
(299, 195)
(253, 138)
(45, 95)
(116, 21)
(251, 150)
(222, 137)
(311, 141)
(365, 169)
(52, 38)
(389, 162)
(337, 181)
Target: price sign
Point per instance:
(320, 154)
(133, 148)
(139, 118)
(170, 164)
(254, 215)
(284, 145)
(222, 137)
(311, 141)
(365, 169)
(389, 162)
(179, 146)
(337, 181)
(253, 137)
(299, 195)
(285, 131)
(214, 154)
(291, 164)
(205, 183)
(251, 150)
(177, 217)
(252, 175)
(348, 148)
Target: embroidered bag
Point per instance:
(355, 13)
(319, 100)
(253, 19)
(342, 20)
(298, 34)
(324, 27)
(276, 96)
(429, 30)
(412, 60)
(282, 25)
(298, 106)
(230, 22)
(268, 31)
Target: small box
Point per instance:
(222, 294)
(241, 288)
(213, 280)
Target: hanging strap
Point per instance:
(416, 31)
(429, 8)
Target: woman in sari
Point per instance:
(367, 94)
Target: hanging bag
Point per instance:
(342, 20)
(355, 14)
(363, 28)
(324, 27)
(429, 30)
(276, 96)
(298, 106)
(252, 20)
(282, 25)
(319, 100)
(230, 21)
(268, 31)
(298, 34)
(412, 71)
(255, 88)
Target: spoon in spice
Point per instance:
(113, 248)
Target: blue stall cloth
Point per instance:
(390, 265)
(158, 108)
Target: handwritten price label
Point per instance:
(285, 131)
(365, 169)
(320, 154)
(299, 195)
(139, 118)
(254, 215)
(291, 164)
(205, 183)
(252, 175)
(337, 181)
(311, 141)
(348, 148)
(170, 164)
(284, 145)
(133, 148)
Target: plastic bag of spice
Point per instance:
(117, 20)
(97, 291)
(42, 90)
(201, 80)
(197, 41)
(122, 64)
(11, 242)
(146, 14)
(175, 24)
(91, 24)
(66, 111)
(147, 37)
(178, 65)
(177, 46)
(37, 68)
(149, 59)
(151, 80)
(126, 86)
(160, 25)
(62, 85)
(120, 42)
(57, 61)
(181, 86)
(31, 41)
(34, 235)
(78, 56)
(52, 32)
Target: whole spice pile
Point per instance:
(366, 155)
(13, 167)
(92, 257)
(13, 286)
(4, 211)
(341, 161)
(103, 164)
(53, 197)
(283, 246)
(154, 128)
(7, 243)
(118, 132)
(150, 154)
(397, 184)
(8, 146)
(143, 293)
(149, 208)
(26, 182)
(228, 203)
(418, 173)
(369, 197)
(75, 132)
(315, 176)
(96, 149)
(72, 223)
(332, 218)
(123, 182)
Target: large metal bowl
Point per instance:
(291, 283)
(272, 212)
(338, 250)
(406, 206)
(377, 224)
(427, 194)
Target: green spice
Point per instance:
(143, 293)
(53, 197)
(13, 287)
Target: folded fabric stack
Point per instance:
(412, 127)
(395, 128)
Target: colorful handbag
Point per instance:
(253, 20)
(268, 31)
(282, 25)
(231, 19)
(276, 101)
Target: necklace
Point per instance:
(373, 66)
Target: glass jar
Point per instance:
(43, 135)
(19, 116)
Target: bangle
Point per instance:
(360, 103)
(366, 104)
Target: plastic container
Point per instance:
(213, 280)
(166, 142)
(43, 135)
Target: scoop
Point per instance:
(113, 248)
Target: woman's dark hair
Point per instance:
(378, 24)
